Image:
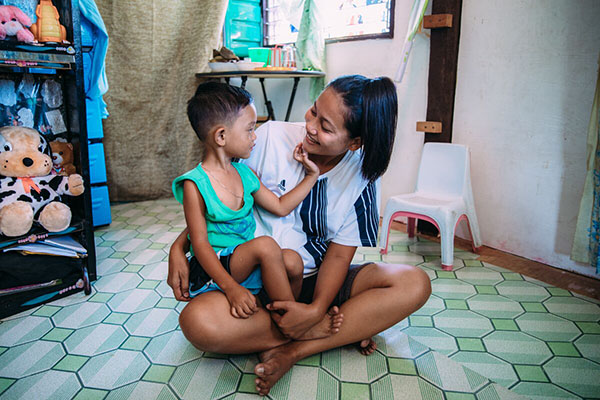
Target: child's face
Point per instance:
(242, 134)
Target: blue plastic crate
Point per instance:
(94, 120)
(87, 32)
(97, 164)
(100, 206)
(87, 65)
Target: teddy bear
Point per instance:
(28, 193)
(14, 22)
(62, 157)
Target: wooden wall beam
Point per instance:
(443, 61)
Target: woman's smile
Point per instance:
(310, 140)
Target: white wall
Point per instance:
(372, 58)
(526, 78)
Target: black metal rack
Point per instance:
(67, 62)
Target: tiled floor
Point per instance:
(485, 333)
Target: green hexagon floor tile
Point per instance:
(485, 333)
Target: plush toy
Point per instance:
(47, 28)
(62, 158)
(14, 22)
(28, 192)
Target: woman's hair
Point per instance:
(215, 103)
(371, 115)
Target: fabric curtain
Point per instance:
(586, 244)
(156, 47)
(311, 42)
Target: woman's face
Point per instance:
(326, 134)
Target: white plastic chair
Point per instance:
(443, 196)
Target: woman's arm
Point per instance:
(299, 317)
(332, 274)
(179, 268)
(282, 206)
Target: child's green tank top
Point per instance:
(225, 227)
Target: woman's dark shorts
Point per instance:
(309, 283)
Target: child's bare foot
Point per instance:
(329, 325)
(366, 347)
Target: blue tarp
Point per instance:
(97, 73)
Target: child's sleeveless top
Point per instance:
(225, 227)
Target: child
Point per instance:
(218, 197)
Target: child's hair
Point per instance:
(372, 112)
(215, 103)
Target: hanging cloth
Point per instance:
(586, 244)
(98, 84)
(311, 45)
(416, 17)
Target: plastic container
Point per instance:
(248, 65)
(222, 66)
(259, 54)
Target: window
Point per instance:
(347, 20)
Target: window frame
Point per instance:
(369, 36)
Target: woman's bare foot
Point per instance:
(273, 365)
(329, 325)
(366, 347)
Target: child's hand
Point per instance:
(302, 157)
(243, 303)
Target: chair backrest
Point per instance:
(444, 169)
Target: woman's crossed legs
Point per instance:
(381, 296)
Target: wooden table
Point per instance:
(261, 76)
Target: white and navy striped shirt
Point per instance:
(342, 207)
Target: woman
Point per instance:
(349, 134)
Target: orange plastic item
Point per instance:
(47, 28)
(274, 69)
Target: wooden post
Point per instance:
(443, 63)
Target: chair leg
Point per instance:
(384, 233)
(474, 231)
(447, 239)
(410, 228)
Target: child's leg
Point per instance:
(294, 267)
(262, 251)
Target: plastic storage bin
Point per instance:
(97, 164)
(100, 206)
(94, 120)
(87, 33)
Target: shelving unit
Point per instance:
(62, 63)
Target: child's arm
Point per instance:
(243, 303)
(282, 206)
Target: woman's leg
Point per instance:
(295, 269)
(381, 296)
(207, 323)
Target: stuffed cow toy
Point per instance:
(28, 191)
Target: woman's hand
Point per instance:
(242, 301)
(297, 318)
(301, 156)
(179, 271)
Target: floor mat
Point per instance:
(485, 333)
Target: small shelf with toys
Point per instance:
(46, 232)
